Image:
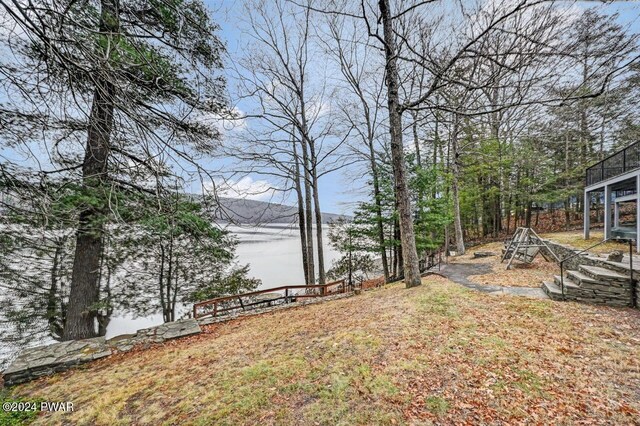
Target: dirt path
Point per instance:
(460, 272)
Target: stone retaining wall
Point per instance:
(41, 361)
(563, 251)
(607, 294)
(46, 360)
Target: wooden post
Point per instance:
(241, 304)
(587, 214)
(607, 212)
(638, 213)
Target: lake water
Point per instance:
(273, 253)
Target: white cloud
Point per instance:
(225, 124)
(245, 188)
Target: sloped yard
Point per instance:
(520, 275)
(533, 274)
(576, 239)
(439, 353)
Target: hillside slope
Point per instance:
(438, 353)
(247, 211)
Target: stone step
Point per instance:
(598, 273)
(600, 287)
(552, 290)
(620, 267)
(568, 282)
(592, 289)
(573, 292)
(580, 278)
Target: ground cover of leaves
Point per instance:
(519, 275)
(533, 274)
(576, 239)
(435, 354)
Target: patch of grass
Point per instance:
(437, 303)
(494, 342)
(23, 414)
(436, 405)
(361, 339)
(260, 371)
(528, 307)
(436, 353)
(576, 239)
(379, 385)
(529, 382)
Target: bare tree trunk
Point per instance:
(455, 167)
(166, 317)
(161, 278)
(308, 211)
(392, 251)
(316, 202)
(85, 286)
(301, 215)
(174, 298)
(407, 237)
(104, 315)
(567, 218)
(397, 250)
(416, 140)
(379, 223)
(52, 318)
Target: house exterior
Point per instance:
(618, 178)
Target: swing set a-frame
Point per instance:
(524, 246)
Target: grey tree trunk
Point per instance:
(379, 223)
(84, 292)
(301, 214)
(407, 237)
(166, 310)
(308, 211)
(104, 314)
(455, 168)
(416, 139)
(52, 316)
(316, 202)
(322, 279)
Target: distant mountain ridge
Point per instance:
(246, 211)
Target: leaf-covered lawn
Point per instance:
(576, 239)
(438, 353)
(520, 275)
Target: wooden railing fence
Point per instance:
(283, 294)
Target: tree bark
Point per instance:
(407, 237)
(379, 222)
(52, 317)
(165, 308)
(455, 166)
(301, 215)
(85, 287)
(416, 139)
(308, 211)
(316, 204)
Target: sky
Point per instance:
(338, 192)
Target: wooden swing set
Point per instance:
(524, 246)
